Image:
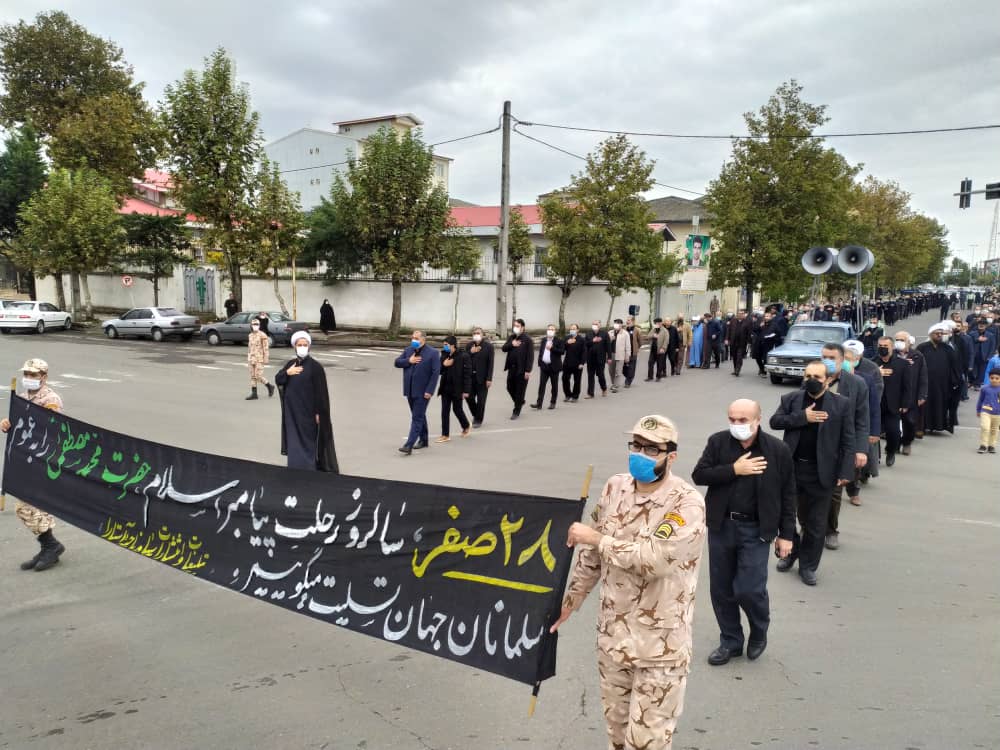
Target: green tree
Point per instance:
(276, 222)
(72, 225)
(574, 257)
(519, 249)
(214, 144)
(22, 173)
(780, 193)
(656, 270)
(388, 216)
(154, 242)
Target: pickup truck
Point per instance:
(803, 344)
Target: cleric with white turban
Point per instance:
(306, 429)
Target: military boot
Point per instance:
(51, 550)
(270, 389)
(253, 394)
(29, 564)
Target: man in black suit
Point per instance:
(576, 356)
(896, 396)
(520, 352)
(598, 351)
(737, 339)
(550, 354)
(481, 355)
(750, 503)
(819, 430)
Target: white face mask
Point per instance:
(477, 337)
(741, 431)
(302, 352)
(517, 330)
(618, 326)
(900, 345)
(550, 333)
(595, 329)
(989, 320)
(31, 384)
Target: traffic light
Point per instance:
(964, 197)
(992, 191)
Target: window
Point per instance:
(239, 318)
(145, 314)
(539, 262)
(439, 169)
(167, 312)
(131, 315)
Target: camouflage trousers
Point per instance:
(257, 374)
(641, 704)
(36, 521)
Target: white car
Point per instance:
(28, 314)
(155, 322)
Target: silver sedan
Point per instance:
(155, 322)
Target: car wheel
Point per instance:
(40, 327)
(68, 324)
(213, 338)
(156, 334)
(776, 379)
(270, 340)
(4, 331)
(111, 332)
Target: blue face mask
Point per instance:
(642, 468)
(831, 366)
(447, 348)
(415, 344)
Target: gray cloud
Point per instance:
(646, 65)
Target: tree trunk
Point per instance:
(397, 306)
(156, 290)
(277, 293)
(749, 288)
(235, 278)
(74, 293)
(513, 298)
(611, 309)
(60, 292)
(87, 306)
(454, 321)
(649, 317)
(564, 298)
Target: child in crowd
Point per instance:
(988, 411)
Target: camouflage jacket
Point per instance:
(258, 350)
(647, 563)
(44, 397)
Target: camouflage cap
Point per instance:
(656, 429)
(36, 365)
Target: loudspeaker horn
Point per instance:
(819, 260)
(855, 259)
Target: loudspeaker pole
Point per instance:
(502, 321)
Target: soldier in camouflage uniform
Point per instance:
(34, 379)
(644, 547)
(258, 355)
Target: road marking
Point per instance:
(73, 376)
(209, 367)
(335, 356)
(497, 432)
(973, 521)
(363, 352)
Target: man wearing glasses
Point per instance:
(750, 504)
(643, 546)
(819, 430)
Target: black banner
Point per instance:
(468, 575)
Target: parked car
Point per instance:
(155, 322)
(32, 315)
(280, 328)
(803, 344)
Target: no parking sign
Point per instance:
(127, 281)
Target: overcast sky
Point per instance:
(683, 66)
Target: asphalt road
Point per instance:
(895, 648)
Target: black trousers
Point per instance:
(547, 374)
(629, 369)
(714, 352)
(673, 355)
(477, 401)
(451, 404)
(595, 369)
(910, 421)
(738, 354)
(814, 512)
(571, 377)
(737, 560)
(891, 428)
(657, 362)
(516, 387)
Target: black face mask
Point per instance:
(883, 351)
(813, 387)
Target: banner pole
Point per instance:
(3, 496)
(584, 496)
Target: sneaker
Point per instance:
(991, 449)
(982, 449)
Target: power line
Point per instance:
(429, 145)
(584, 158)
(792, 136)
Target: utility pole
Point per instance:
(972, 261)
(501, 269)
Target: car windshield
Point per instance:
(20, 306)
(167, 312)
(814, 335)
(278, 317)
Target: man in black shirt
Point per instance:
(819, 430)
(750, 503)
(520, 351)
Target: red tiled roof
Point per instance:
(489, 216)
(158, 179)
(139, 206)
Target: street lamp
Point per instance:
(972, 261)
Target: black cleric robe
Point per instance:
(305, 396)
(943, 377)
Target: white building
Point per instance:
(308, 158)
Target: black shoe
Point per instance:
(808, 576)
(406, 449)
(982, 449)
(270, 389)
(832, 540)
(567, 399)
(785, 564)
(722, 655)
(991, 449)
(754, 650)
(537, 405)
(419, 444)
(51, 550)
(514, 414)
(890, 459)
(649, 380)
(252, 396)
(477, 424)
(29, 564)
(552, 405)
